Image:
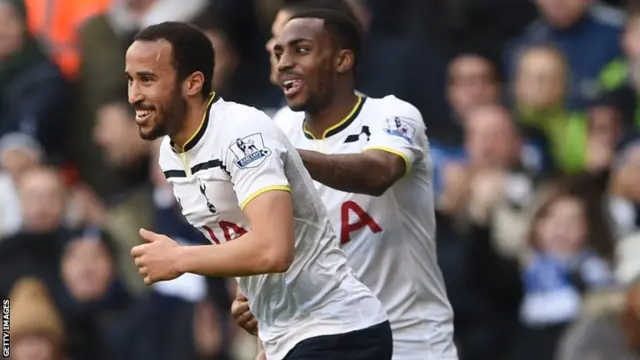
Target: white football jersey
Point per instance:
(236, 155)
(389, 240)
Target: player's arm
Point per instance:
(371, 172)
(264, 195)
(385, 160)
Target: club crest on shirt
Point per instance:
(249, 151)
(399, 126)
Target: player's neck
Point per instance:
(333, 113)
(191, 122)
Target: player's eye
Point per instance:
(145, 79)
(302, 49)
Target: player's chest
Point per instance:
(210, 204)
(350, 140)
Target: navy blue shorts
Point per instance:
(372, 343)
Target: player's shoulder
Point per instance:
(286, 119)
(232, 119)
(234, 114)
(390, 106)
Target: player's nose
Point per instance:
(135, 96)
(285, 62)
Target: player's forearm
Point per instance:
(354, 173)
(244, 256)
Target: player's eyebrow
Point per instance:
(297, 41)
(141, 73)
(292, 42)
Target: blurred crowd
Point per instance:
(532, 110)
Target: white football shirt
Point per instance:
(389, 240)
(237, 154)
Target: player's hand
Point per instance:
(156, 260)
(242, 314)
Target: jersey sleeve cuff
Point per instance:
(263, 190)
(396, 152)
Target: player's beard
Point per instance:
(169, 119)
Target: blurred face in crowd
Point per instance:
(563, 13)
(154, 89)
(628, 173)
(491, 139)
(631, 38)
(541, 79)
(309, 64)
(18, 161)
(32, 347)
(226, 58)
(562, 227)
(472, 83)
(11, 32)
(115, 132)
(87, 269)
(276, 28)
(42, 200)
(604, 125)
(631, 44)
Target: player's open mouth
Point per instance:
(143, 115)
(292, 87)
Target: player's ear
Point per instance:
(193, 83)
(344, 61)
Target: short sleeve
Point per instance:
(254, 157)
(400, 131)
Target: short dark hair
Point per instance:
(296, 6)
(192, 49)
(343, 29)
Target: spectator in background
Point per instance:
(18, 154)
(574, 27)
(37, 330)
(55, 23)
(34, 97)
(94, 294)
(541, 87)
(569, 251)
(491, 175)
(485, 156)
(129, 208)
(35, 250)
(472, 82)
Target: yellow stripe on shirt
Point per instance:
(262, 191)
(404, 157)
